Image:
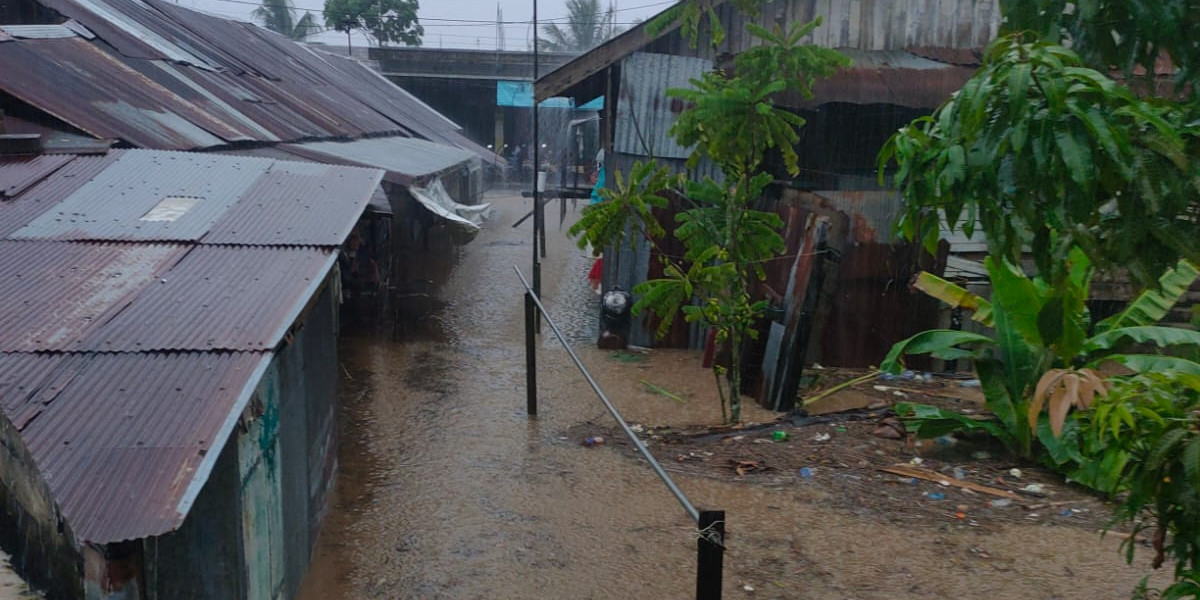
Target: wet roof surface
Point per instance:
(140, 292)
(202, 81)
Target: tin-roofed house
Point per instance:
(168, 369)
(841, 297)
(152, 74)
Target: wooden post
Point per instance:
(530, 356)
(710, 554)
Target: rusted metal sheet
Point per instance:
(17, 212)
(869, 305)
(298, 204)
(28, 380)
(126, 438)
(52, 295)
(38, 32)
(405, 159)
(17, 175)
(219, 298)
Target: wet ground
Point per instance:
(12, 587)
(448, 490)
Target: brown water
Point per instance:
(448, 490)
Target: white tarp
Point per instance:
(465, 219)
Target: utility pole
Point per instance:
(539, 216)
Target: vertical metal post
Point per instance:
(710, 554)
(530, 356)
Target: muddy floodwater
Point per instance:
(448, 490)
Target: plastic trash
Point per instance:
(945, 440)
(806, 473)
(780, 436)
(960, 473)
(1034, 488)
(969, 383)
(1000, 503)
(593, 441)
(936, 496)
(822, 437)
(981, 455)
(1016, 473)
(916, 461)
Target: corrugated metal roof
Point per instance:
(121, 441)
(116, 203)
(38, 32)
(218, 298)
(298, 204)
(405, 159)
(17, 212)
(52, 295)
(644, 112)
(28, 381)
(183, 80)
(17, 175)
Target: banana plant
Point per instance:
(1044, 354)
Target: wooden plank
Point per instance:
(928, 475)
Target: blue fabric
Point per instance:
(599, 185)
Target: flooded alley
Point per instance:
(447, 489)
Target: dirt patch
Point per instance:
(853, 455)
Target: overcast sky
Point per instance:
(455, 23)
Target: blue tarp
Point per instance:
(520, 94)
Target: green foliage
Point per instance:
(732, 120)
(692, 15)
(383, 21)
(1148, 430)
(1041, 354)
(280, 16)
(1050, 155)
(587, 26)
(1118, 33)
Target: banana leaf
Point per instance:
(941, 343)
(1157, 335)
(1152, 305)
(955, 296)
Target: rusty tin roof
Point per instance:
(123, 363)
(120, 438)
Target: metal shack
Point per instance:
(168, 369)
(841, 288)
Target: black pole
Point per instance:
(348, 51)
(530, 356)
(710, 554)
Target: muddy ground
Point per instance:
(448, 490)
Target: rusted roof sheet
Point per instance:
(123, 436)
(887, 77)
(52, 295)
(218, 298)
(28, 381)
(17, 175)
(17, 212)
(292, 204)
(405, 159)
(181, 80)
(963, 57)
(117, 203)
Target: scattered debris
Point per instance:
(780, 436)
(593, 441)
(1034, 489)
(806, 473)
(822, 437)
(981, 455)
(628, 357)
(890, 428)
(1000, 503)
(1015, 473)
(907, 471)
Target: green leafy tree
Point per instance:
(382, 21)
(587, 26)
(1047, 154)
(732, 120)
(280, 16)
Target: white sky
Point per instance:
(453, 23)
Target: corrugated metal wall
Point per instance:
(250, 533)
(644, 112)
(861, 24)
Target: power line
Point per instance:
(473, 22)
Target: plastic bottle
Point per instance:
(593, 441)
